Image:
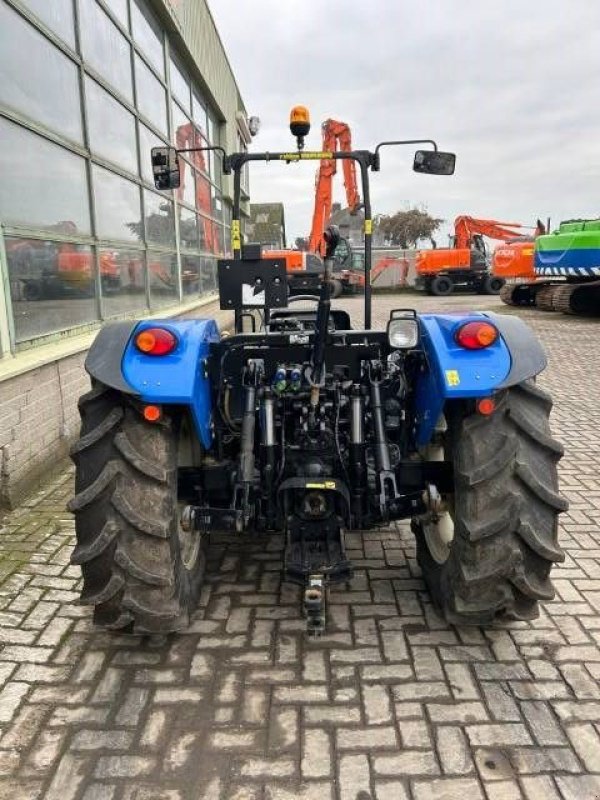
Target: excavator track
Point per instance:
(544, 298)
(506, 295)
(583, 299)
(520, 294)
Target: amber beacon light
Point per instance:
(300, 124)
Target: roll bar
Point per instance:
(166, 175)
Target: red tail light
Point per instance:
(476, 335)
(156, 342)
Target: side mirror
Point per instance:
(432, 162)
(165, 167)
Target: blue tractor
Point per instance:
(305, 427)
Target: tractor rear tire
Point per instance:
(441, 286)
(505, 511)
(140, 572)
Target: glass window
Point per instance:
(208, 275)
(52, 285)
(199, 111)
(217, 205)
(227, 250)
(188, 229)
(148, 36)
(187, 187)
(207, 229)
(123, 279)
(148, 140)
(160, 222)
(111, 127)
(151, 96)
(180, 85)
(43, 185)
(218, 168)
(203, 200)
(190, 274)
(162, 273)
(117, 204)
(220, 240)
(36, 78)
(119, 9)
(213, 132)
(57, 15)
(105, 48)
(183, 130)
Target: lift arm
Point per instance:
(336, 136)
(466, 227)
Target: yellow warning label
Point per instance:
(308, 156)
(452, 377)
(236, 238)
(369, 226)
(324, 485)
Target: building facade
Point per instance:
(266, 225)
(87, 88)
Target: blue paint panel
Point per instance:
(454, 372)
(178, 378)
(576, 258)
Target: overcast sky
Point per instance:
(511, 86)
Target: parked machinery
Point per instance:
(466, 263)
(562, 272)
(310, 427)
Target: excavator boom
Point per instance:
(336, 136)
(466, 227)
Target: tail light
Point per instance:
(476, 335)
(155, 341)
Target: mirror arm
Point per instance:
(376, 157)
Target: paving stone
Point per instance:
(409, 762)
(316, 754)
(586, 743)
(354, 777)
(340, 715)
(453, 750)
(448, 789)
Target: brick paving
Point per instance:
(392, 704)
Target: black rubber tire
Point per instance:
(505, 509)
(441, 286)
(126, 518)
(32, 291)
(337, 288)
(492, 284)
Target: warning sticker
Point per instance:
(452, 377)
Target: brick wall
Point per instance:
(38, 421)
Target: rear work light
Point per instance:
(155, 342)
(476, 335)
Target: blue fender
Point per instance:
(179, 378)
(454, 373)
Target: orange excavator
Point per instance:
(513, 261)
(336, 136)
(466, 262)
(304, 269)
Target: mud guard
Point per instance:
(179, 378)
(455, 373)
